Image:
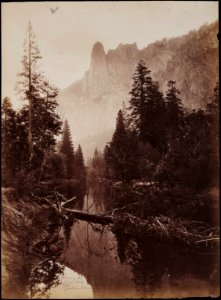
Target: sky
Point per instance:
(66, 36)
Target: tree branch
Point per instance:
(14, 210)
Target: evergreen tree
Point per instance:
(138, 98)
(30, 79)
(120, 154)
(95, 158)
(67, 149)
(42, 123)
(108, 172)
(147, 108)
(187, 162)
(175, 110)
(80, 170)
(98, 161)
(96, 168)
(212, 112)
(54, 166)
(9, 142)
(155, 117)
(120, 131)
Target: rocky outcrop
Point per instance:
(91, 104)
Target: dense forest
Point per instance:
(158, 172)
(31, 151)
(155, 181)
(39, 173)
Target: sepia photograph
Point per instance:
(110, 150)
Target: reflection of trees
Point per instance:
(163, 232)
(156, 242)
(33, 239)
(162, 245)
(98, 192)
(45, 275)
(68, 223)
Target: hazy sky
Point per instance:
(66, 37)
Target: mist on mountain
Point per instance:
(91, 104)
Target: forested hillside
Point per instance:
(190, 60)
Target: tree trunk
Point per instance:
(30, 95)
(94, 218)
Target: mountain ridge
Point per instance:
(91, 103)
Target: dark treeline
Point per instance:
(50, 161)
(96, 178)
(31, 154)
(162, 162)
(157, 139)
(39, 174)
(159, 145)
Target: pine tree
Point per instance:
(9, 142)
(80, 170)
(192, 159)
(67, 149)
(79, 161)
(30, 80)
(189, 160)
(147, 108)
(120, 131)
(39, 115)
(120, 154)
(96, 167)
(155, 117)
(138, 98)
(116, 152)
(175, 110)
(212, 112)
(108, 161)
(54, 166)
(95, 158)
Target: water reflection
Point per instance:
(35, 234)
(44, 276)
(95, 256)
(81, 260)
(72, 286)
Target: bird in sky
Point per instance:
(53, 10)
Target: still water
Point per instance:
(94, 255)
(72, 286)
(93, 268)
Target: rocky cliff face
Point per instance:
(97, 76)
(91, 104)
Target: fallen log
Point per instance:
(158, 225)
(94, 218)
(75, 214)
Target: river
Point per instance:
(93, 268)
(94, 255)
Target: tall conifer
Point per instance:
(42, 123)
(147, 108)
(67, 149)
